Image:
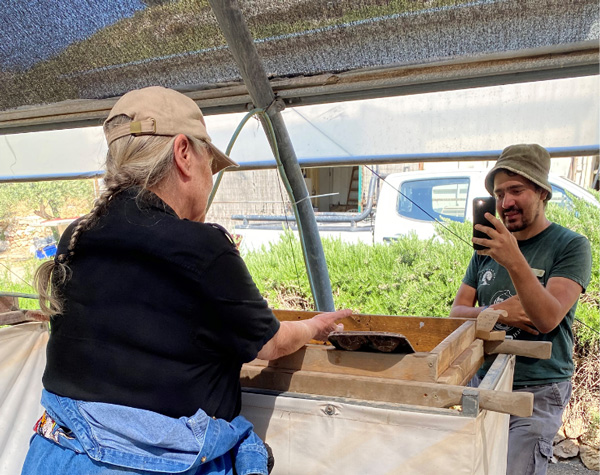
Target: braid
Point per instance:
(46, 280)
(116, 185)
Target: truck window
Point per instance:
(560, 197)
(436, 198)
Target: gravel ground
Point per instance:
(569, 466)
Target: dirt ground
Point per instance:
(568, 467)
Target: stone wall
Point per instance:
(19, 237)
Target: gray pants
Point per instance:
(530, 438)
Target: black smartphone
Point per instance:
(486, 204)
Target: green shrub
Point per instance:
(50, 199)
(409, 276)
(585, 219)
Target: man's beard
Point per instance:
(524, 223)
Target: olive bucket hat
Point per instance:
(157, 110)
(528, 160)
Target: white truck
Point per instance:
(407, 202)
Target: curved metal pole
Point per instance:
(234, 28)
(217, 182)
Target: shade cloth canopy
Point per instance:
(55, 52)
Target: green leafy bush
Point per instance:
(409, 276)
(585, 219)
(49, 199)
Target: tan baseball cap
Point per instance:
(157, 110)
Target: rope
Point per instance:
(16, 275)
(587, 326)
(271, 133)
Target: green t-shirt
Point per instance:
(555, 252)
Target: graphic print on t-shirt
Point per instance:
(487, 277)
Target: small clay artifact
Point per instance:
(381, 342)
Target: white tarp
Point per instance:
(308, 435)
(326, 436)
(22, 362)
(555, 113)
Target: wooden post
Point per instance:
(380, 389)
(485, 324)
(532, 349)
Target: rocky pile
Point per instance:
(574, 440)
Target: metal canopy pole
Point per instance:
(241, 45)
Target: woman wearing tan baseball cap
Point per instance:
(153, 313)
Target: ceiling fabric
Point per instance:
(450, 125)
(58, 50)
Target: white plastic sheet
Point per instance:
(556, 113)
(326, 436)
(308, 435)
(22, 362)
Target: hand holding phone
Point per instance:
(481, 206)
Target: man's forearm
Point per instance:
(542, 308)
(465, 311)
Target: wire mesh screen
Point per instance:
(52, 51)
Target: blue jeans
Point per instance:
(48, 458)
(95, 438)
(530, 438)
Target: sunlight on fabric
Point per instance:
(557, 113)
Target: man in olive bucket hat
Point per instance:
(534, 270)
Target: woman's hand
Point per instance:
(294, 335)
(325, 323)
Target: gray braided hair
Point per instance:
(132, 161)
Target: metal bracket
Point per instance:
(470, 402)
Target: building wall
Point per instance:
(261, 192)
(248, 192)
